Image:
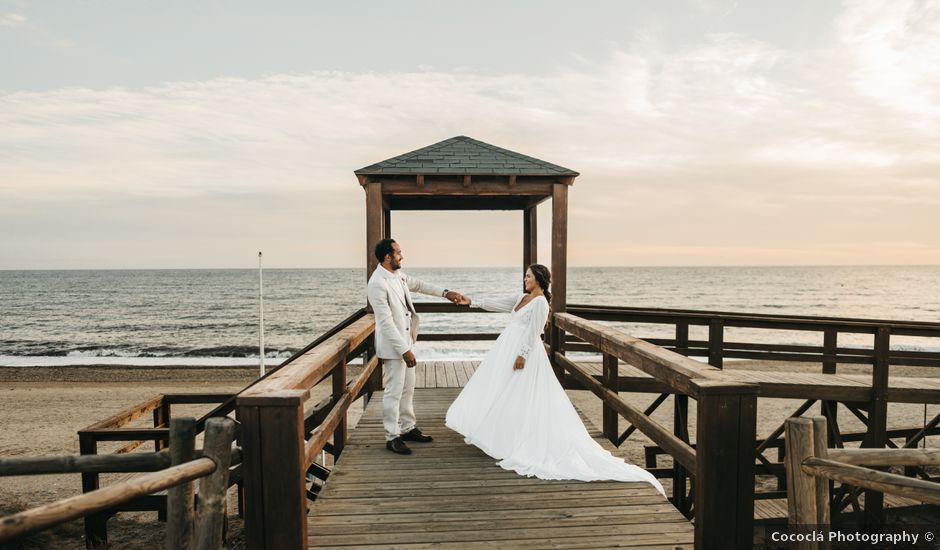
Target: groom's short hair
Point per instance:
(384, 248)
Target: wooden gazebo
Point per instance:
(462, 173)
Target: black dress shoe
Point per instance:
(398, 446)
(416, 435)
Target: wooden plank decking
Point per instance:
(449, 494)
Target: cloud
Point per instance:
(12, 20)
(729, 133)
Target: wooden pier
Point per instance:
(449, 494)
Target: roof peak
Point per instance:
(464, 155)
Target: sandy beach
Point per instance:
(41, 410)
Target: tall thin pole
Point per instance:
(261, 316)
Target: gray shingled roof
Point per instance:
(462, 155)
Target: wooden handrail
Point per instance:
(669, 367)
(54, 513)
(811, 322)
(127, 415)
(218, 451)
(112, 463)
(308, 369)
(917, 489)
(887, 457)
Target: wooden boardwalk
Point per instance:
(449, 494)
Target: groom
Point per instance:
(396, 329)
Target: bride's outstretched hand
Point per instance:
(520, 363)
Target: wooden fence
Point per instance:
(811, 463)
(174, 470)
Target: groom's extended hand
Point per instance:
(457, 298)
(409, 359)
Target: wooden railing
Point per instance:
(811, 463)
(113, 429)
(880, 356)
(716, 348)
(278, 452)
(174, 469)
(721, 463)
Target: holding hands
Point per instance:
(457, 298)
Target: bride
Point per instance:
(515, 410)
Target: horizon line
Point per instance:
(452, 267)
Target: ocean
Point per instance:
(209, 317)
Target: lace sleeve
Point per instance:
(535, 324)
(503, 304)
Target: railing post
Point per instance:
(161, 418)
(680, 427)
(339, 388)
(272, 432)
(724, 464)
(802, 512)
(878, 418)
(180, 500)
(716, 341)
(210, 519)
(96, 525)
(611, 382)
(375, 380)
(682, 337)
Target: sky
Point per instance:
(180, 134)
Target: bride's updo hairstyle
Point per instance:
(544, 278)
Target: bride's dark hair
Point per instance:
(544, 278)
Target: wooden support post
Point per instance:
(724, 464)
(386, 223)
(374, 220)
(830, 409)
(559, 266)
(716, 341)
(210, 518)
(339, 388)
(161, 419)
(801, 487)
(611, 382)
(830, 342)
(273, 469)
(682, 338)
(96, 525)
(529, 238)
(821, 450)
(180, 502)
(680, 427)
(375, 379)
(878, 418)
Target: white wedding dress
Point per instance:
(523, 417)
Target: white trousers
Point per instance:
(398, 411)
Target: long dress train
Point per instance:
(523, 418)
